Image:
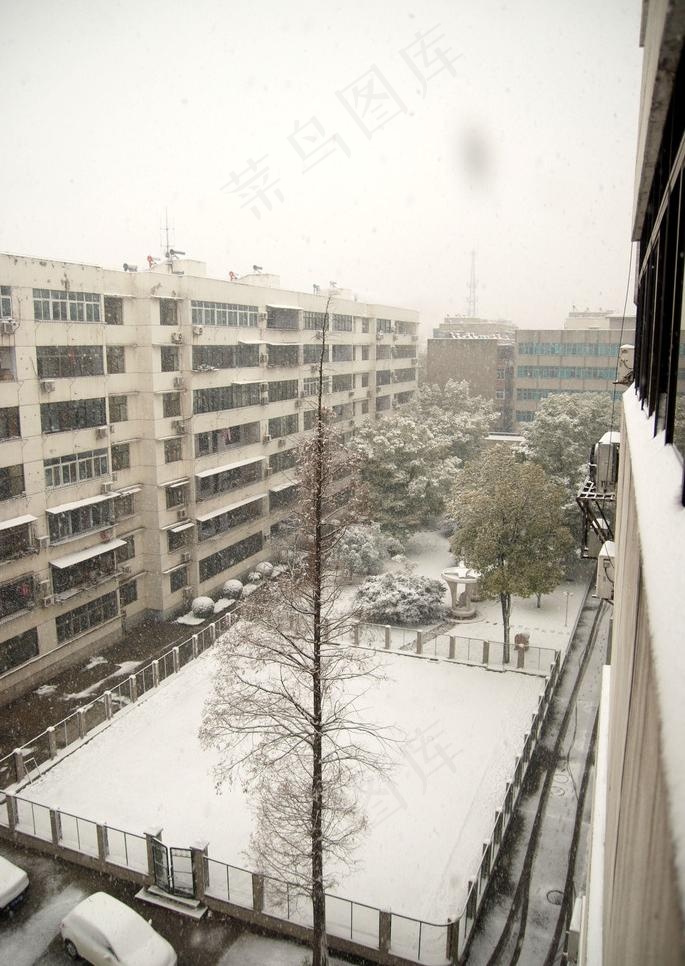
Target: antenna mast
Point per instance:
(472, 310)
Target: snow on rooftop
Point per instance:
(461, 729)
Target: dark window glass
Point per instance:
(114, 310)
(17, 650)
(168, 312)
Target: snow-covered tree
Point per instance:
(400, 598)
(565, 428)
(510, 527)
(361, 550)
(452, 413)
(280, 713)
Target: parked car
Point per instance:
(14, 883)
(105, 931)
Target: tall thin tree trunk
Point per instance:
(320, 945)
(505, 601)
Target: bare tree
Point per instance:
(285, 710)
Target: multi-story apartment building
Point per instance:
(148, 432)
(634, 908)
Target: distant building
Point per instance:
(633, 912)
(149, 424)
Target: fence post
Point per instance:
(134, 688)
(521, 657)
(384, 930)
(103, 843)
(155, 832)
(12, 812)
(355, 635)
(81, 722)
(452, 951)
(108, 705)
(194, 643)
(453, 648)
(19, 764)
(52, 742)
(55, 826)
(419, 642)
(387, 636)
(155, 674)
(257, 892)
(486, 652)
(198, 857)
(175, 657)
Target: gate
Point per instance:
(173, 869)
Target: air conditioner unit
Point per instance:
(262, 316)
(268, 471)
(106, 487)
(47, 385)
(298, 403)
(48, 600)
(124, 571)
(266, 438)
(197, 330)
(101, 432)
(42, 586)
(179, 427)
(281, 443)
(351, 392)
(43, 543)
(264, 399)
(263, 359)
(8, 327)
(379, 335)
(179, 382)
(182, 514)
(106, 535)
(606, 571)
(188, 593)
(177, 337)
(185, 557)
(314, 368)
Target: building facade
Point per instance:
(633, 911)
(148, 431)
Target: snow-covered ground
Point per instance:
(460, 730)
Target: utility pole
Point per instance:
(472, 310)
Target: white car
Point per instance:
(105, 931)
(13, 884)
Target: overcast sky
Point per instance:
(380, 160)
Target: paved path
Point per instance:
(532, 881)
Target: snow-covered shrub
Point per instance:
(232, 589)
(393, 546)
(360, 550)
(400, 598)
(202, 607)
(265, 568)
(249, 589)
(254, 577)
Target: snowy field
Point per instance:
(460, 730)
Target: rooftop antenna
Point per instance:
(472, 310)
(169, 253)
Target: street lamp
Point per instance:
(567, 594)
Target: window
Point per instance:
(82, 619)
(207, 357)
(178, 579)
(283, 460)
(310, 386)
(283, 425)
(404, 375)
(11, 481)
(17, 650)
(311, 354)
(284, 355)
(74, 467)
(82, 519)
(16, 596)
(218, 440)
(176, 495)
(128, 593)
(224, 313)
(59, 417)
(226, 397)
(409, 352)
(286, 389)
(121, 456)
(168, 312)
(230, 479)
(118, 409)
(128, 551)
(116, 359)
(53, 306)
(282, 498)
(343, 353)
(343, 323)
(173, 450)
(169, 358)
(384, 325)
(309, 419)
(383, 377)
(206, 529)
(364, 380)
(177, 538)
(10, 427)
(499, 394)
(501, 373)
(91, 571)
(171, 404)
(365, 353)
(313, 320)
(124, 506)
(230, 556)
(68, 361)
(282, 318)
(383, 352)
(341, 383)
(5, 301)
(365, 325)
(114, 310)
(15, 541)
